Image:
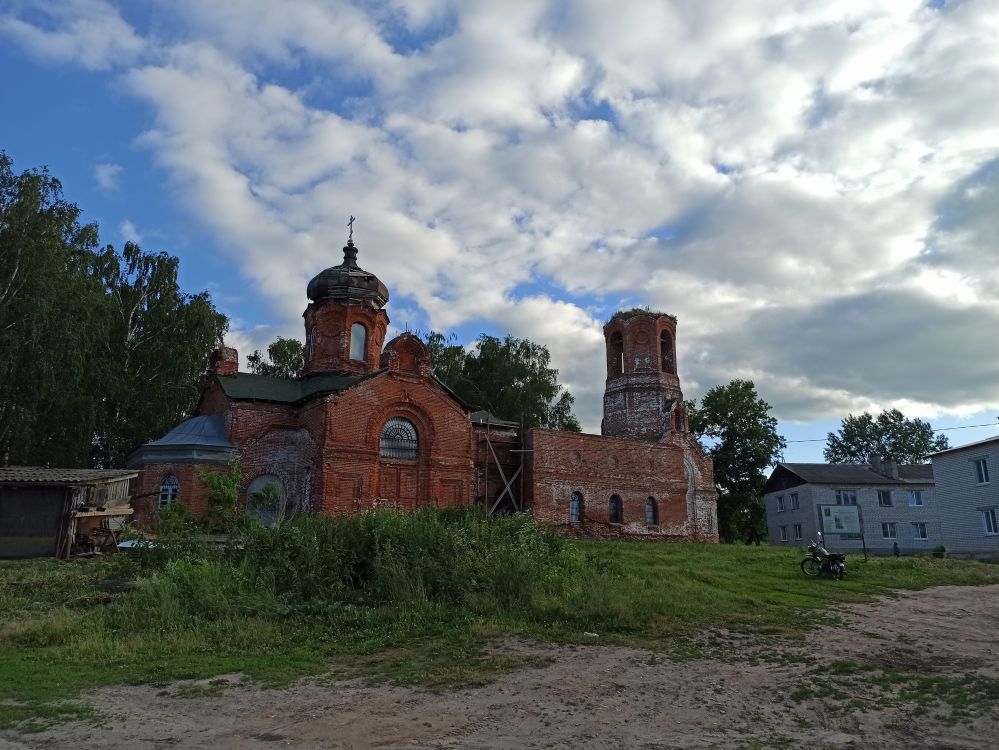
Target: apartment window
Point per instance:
(919, 531)
(780, 503)
(982, 470)
(989, 519)
(888, 530)
(846, 497)
(915, 497)
(794, 501)
(884, 498)
(783, 533)
(797, 531)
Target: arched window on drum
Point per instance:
(169, 489)
(358, 341)
(399, 440)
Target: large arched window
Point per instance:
(615, 509)
(576, 507)
(615, 355)
(265, 500)
(666, 352)
(358, 341)
(399, 439)
(169, 489)
(651, 512)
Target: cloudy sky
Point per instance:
(811, 187)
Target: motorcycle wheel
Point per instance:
(810, 566)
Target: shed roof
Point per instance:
(75, 477)
(484, 417)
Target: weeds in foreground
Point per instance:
(400, 597)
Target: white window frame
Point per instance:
(797, 532)
(846, 497)
(169, 491)
(914, 498)
(783, 533)
(795, 503)
(780, 504)
(882, 496)
(989, 522)
(919, 532)
(981, 470)
(889, 530)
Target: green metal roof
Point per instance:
(245, 386)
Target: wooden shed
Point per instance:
(42, 511)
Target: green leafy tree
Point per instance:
(156, 349)
(285, 359)
(51, 322)
(742, 440)
(223, 514)
(102, 351)
(510, 377)
(865, 437)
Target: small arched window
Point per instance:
(169, 489)
(399, 439)
(265, 500)
(651, 512)
(358, 341)
(615, 355)
(576, 507)
(666, 352)
(615, 510)
(312, 343)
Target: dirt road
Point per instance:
(921, 671)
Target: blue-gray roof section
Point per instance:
(197, 440)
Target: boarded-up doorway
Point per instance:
(31, 520)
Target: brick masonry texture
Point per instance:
(326, 452)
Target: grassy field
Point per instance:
(408, 598)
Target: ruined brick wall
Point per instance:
(600, 467)
(145, 490)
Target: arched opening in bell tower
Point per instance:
(666, 358)
(615, 355)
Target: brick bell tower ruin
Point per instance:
(642, 398)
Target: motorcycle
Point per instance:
(821, 561)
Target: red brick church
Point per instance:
(369, 426)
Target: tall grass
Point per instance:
(460, 559)
(429, 586)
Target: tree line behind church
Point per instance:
(100, 348)
(511, 378)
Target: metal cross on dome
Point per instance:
(350, 224)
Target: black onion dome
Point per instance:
(348, 283)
